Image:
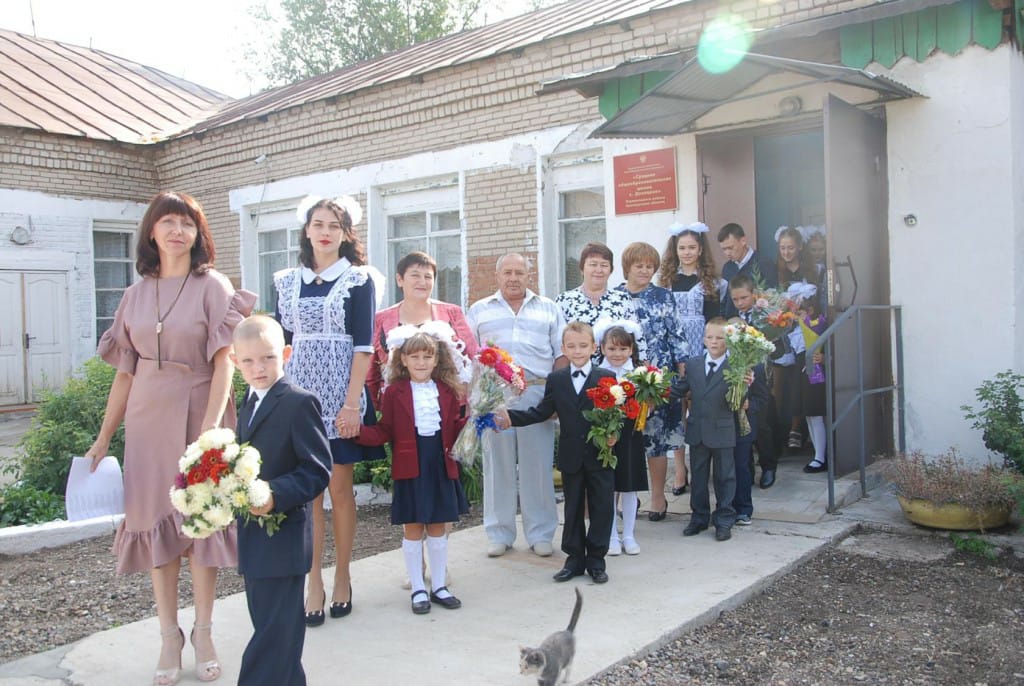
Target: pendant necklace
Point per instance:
(160, 319)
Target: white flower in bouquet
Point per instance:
(231, 451)
(229, 483)
(193, 529)
(247, 466)
(259, 493)
(179, 499)
(240, 498)
(618, 394)
(200, 496)
(220, 515)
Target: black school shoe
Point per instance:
(420, 607)
(449, 603)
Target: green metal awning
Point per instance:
(675, 104)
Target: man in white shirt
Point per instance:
(529, 327)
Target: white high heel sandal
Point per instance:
(170, 676)
(208, 670)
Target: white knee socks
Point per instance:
(628, 501)
(437, 548)
(817, 427)
(412, 551)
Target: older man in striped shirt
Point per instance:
(529, 327)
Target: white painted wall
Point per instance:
(61, 241)
(1016, 80)
(955, 161)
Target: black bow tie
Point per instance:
(578, 372)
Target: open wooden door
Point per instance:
(858, 274)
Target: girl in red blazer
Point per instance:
(421, 415)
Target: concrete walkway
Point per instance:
(672, 586)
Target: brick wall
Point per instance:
(488, 99)
(77, 167)
(501, 217)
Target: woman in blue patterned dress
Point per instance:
(658, 316)
(688, 270)
(326, 307)
(593, 300)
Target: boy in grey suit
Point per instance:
(711, 435)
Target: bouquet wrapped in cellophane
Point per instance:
(218, 481)
(614, 402)
(748, 348)
(496, 381)
(774, 313)
(653, 388)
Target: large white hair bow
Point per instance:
(602, 325)
(695, 227)
(440, 331)
(345, 202)
(800, 291)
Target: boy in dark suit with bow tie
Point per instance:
(283, 422)
(587, 484)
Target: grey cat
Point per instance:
(552, 660)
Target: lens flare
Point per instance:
(723, 44)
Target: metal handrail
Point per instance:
(832, 421)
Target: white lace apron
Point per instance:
(322, 350)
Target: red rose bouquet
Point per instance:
(496, 380)
(614, 402)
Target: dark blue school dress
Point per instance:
(430, 498)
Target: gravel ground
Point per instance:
(846, 617)
(849, 617)
(45, 606)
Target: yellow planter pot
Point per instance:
(952, 516)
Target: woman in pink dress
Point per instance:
(169, 342)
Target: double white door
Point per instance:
(34, 339)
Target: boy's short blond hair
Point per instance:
(579, 327)
(262, 327)
(715, 321)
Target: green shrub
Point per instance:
(1000, 417)
(24, 504)
(66, 424)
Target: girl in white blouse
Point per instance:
(422, 413)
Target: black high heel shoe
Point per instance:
(344, 609)
(653, 516)
(316, 617)
(679, 490)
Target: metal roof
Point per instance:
(460, 48)
(50, 86)
(676, 103)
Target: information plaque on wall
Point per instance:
(645, 181)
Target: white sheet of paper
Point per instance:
(94, 494)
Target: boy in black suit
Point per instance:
(283, 422)
(587, 485)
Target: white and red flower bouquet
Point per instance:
(218, 481)
(496, 380)
(614, 402)
(653, 389)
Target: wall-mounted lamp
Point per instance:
(261, 159)
(790, 105)
(21, 236)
